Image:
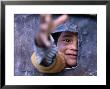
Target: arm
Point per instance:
(46, 58)
(57, 66)
(45, 55)
(53, 60)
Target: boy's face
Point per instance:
(67, 44)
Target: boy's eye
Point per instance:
(66, 40)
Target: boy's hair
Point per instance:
(56, 36)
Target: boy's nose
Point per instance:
(73, 46)
(72, 49)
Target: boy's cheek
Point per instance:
(62, 49)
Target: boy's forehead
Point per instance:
(68, 34)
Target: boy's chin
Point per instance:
(70, 62)
(71, 65)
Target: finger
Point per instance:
(60, 20)
(48, 18)
(42, 18)
(43, 28)
(45, 18)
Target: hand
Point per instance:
(47, 25)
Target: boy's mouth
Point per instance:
(73, 56)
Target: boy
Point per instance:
(48, 56)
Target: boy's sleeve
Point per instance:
(57, 66)
(45, 56)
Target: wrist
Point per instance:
(38, 42)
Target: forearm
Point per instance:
(57, 66)
(45, 56)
